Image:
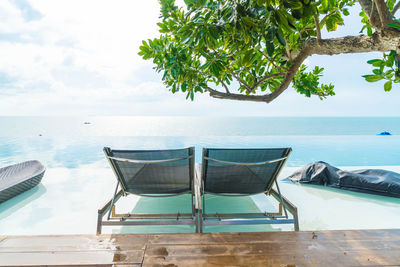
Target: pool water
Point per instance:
(78, 179)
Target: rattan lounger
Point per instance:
(16, 179)
(150, 173)
(244, 172)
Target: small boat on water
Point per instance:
(384, 133)
(18, 178)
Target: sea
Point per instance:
(70, 142)
(78, 179)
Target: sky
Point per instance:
(79, 58)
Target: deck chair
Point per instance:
(244, 172)
(150, 173)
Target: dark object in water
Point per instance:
(373, 181)
(86, 122)
(18, 178)
(385, 133)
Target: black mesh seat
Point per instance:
(226, 171)
(150, 173)
(147, 172)
(241, 172)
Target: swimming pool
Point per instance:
(78, 180)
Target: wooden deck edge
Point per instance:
(376, 247)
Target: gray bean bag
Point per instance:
(18, 178)
(373, 181)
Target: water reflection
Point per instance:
(329, 193)
(14, 204)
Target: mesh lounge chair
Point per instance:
(150, 173)
(244, 172)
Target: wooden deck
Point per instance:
(321, 248)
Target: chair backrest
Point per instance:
(241, 171)
(153, 172)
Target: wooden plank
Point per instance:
(88, 241)
(296, 259)
(71, 258)
(320, 248)
(72, 250)
(211, 238)
(269, 248)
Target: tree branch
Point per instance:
(254, 78)
(317, 27)
(224, 85)
(238, 79)
(384, 13)
(372, 9)
(272, 62)
(395, 8)
(266, 78)
(383, 41)
(303, 54)
(373, 17)
(288, 52)
(221, 95)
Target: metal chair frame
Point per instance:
(280, 217)
(115, 219)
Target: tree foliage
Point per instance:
(254, 49)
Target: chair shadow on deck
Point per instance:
(14, 204)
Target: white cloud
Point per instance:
(70, 57)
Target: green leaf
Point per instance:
(270, 49)
(295, 4)
(394, 25)
(372, 61)
(249, 21)
(271, 33)
(324, 4)
(183, 87)
(280, 38)
(388, 86)
(369, 31)
(373, 78)
(377, 71)
(378, 63)
(390, 61)
(260, 2)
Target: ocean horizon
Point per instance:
(344, 141)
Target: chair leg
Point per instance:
(113, 200)
(197, 222)
(296, 221)
(200, 221)
(287, 205)
(193, 207)
(99, 225)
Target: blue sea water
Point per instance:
(69, 142)
(78, 179)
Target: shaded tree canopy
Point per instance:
(253, 50)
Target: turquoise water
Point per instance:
(78, 179)
(71, 152)
(68, 142)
